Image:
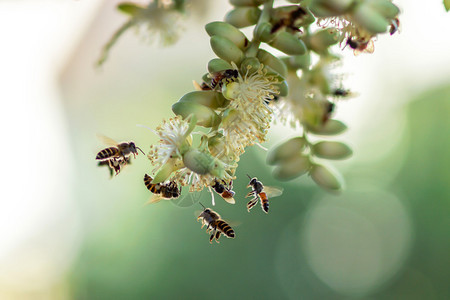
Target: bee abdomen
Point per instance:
(225, 228)
(150, 186)
(264, 202)
(107, 153)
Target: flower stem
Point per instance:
(264, 17)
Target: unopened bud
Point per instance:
(226, 49)
(385, 7)
(218, 64)
(326, 178)
(246, 2)
(370, 19)
(289, 44)
(331, 150)
(250, 64)
(298, 61)
(205, 116)
(292, 168)
(283, 88)
(272, 61)
(286, 150)
(227, 31)
(330, 8)
(264, 32)
(330, 127)
(129, 8)
(321, 40)
(243, 16)
(211, 99)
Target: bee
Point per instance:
(329, 109)
(360, 45)
(218, 78)
(166, 191)
(395, 24)
(215, 224)
(340, 92)
(224, 191)
(259, 192)
(118, 150)
(288, 20)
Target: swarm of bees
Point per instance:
(119, 154)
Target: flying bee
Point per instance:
(260, 192)
(360, 45)
(289, 19)
(395, 24)
(166, 191)
(117, 150)
(224, 190)
(215, 224)
(218, 78)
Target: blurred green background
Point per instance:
(385, 237)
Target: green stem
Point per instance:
(264, 17)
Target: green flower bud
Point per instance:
(447, 5)
(250, 64)
(330, 8)
(227, 31)
(298, 61)
(326, 178)
(246, 2)
(283, 88)
(321, 40)
(385, 8)
(285, 150)
(370, 19)
(203, 163)
(272, 61)
(272, 72)
(292, 168)
(229, 90)
(319, 78)
(331, 150)
(243, 16)
(226, 49)
(217, 65)
(289, 44)
(331, 127)
(164, 173)
(263, 32)
(206, 117)
(211, 99)
(130, 9)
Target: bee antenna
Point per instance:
(140, 150)
(202, 205)
(249, 177)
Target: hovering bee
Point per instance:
(340, 92)
(218, 78)
(289, 19)
(224, 191)
(215, 224)
(360, 45)
(117, 150)
(259, 192)
(395, 24)
(166, 191)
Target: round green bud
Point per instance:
(227, 31)
(289, 44)
(325, 178)
(211, 99)
(370, 19)
(218, 64)
(263, 31)
(321, 40)
(206, 117)
(226, 49)
(331, 127)
(292, 168)
(298, 61)
(331, 150)
(203, 163)
(272, 61)
(283, 88)
(285, 150)
(130, 9)
(243, 16)
(385, 8)
(330, 8)
(250, 64)
(246, 2)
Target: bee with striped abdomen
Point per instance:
(224, 190)
(215, 224)
(163, 190)
(218, 78)
(262, 193)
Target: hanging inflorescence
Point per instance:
(247, 88)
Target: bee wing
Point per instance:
(106, 140)
(154, 199)
(272, 191)
(188, 199)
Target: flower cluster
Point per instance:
(247, 87)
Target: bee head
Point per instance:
(231, 73)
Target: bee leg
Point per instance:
(217, 236)
(252, 193)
